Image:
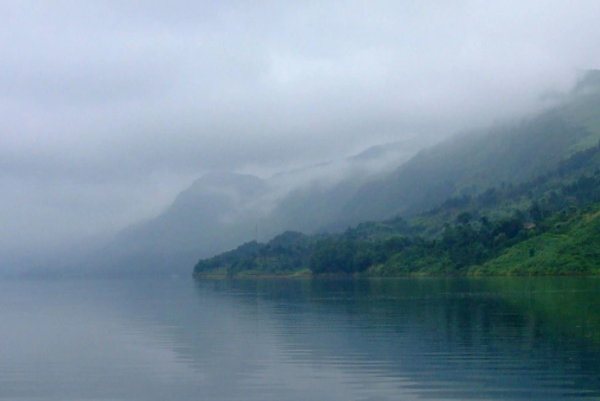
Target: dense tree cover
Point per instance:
(285, 253)
(459, 236)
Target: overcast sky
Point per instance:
(108, 108)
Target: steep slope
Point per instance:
(570, 248)
(209, 217)
(222, 210)
(468, 164)
(554, 228)
(491, 192)
(314, 205)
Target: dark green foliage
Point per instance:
(535, 212)
(374, 231)
(464, 218)
(330, 256)
(284, 254)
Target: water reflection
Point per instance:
(301, 339)
(448, 338)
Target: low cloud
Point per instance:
(110, 108)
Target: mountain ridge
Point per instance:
(545, 167)
(221, 210)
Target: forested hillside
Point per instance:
(550, 225)
(497, 203)
(471, 163)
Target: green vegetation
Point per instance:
(550, 225)
(524, 201)
(286, 254)
(572, 247)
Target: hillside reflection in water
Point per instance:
(301, 339)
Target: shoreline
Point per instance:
(363, 276)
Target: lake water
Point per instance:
(405, 339)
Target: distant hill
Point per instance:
(315, 205)
(222, 210)
(548, 225)
(473, 204)
(206, 218)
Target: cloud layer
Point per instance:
(109, 108)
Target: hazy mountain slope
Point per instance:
(549, 225)
(491, 191)
(468, 164)
(315, 205)
(223, 210)
(207, 218)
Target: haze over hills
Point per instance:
(222, 210)
(467, 164)
(531, 184)
(111, 110)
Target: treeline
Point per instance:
(449, 239)
(286, 253)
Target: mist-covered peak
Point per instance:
(220, 183)
(225, 178)
(378, 152)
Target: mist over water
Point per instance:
(138, 138)
(297, 340)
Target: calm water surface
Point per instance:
(406, 339)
